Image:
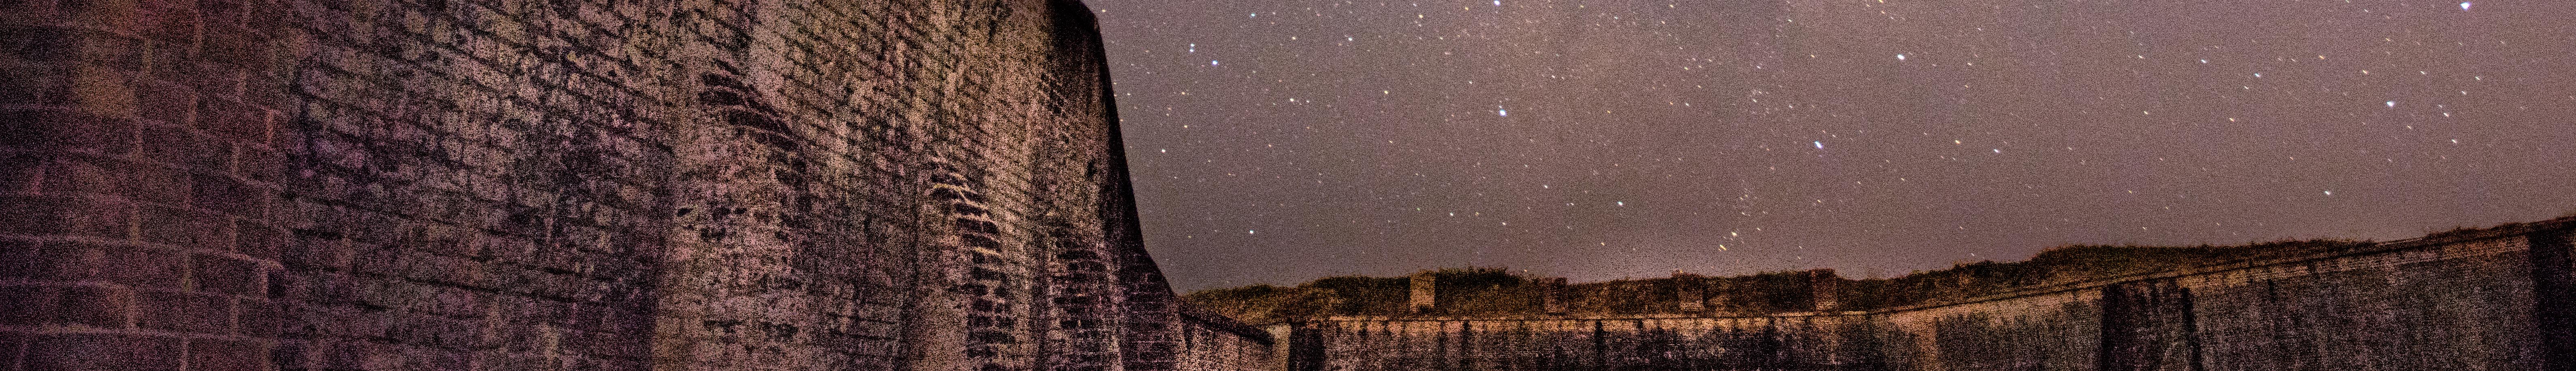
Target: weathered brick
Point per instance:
(185, 148)
(259, 318)
(238, 46)
(237, 122)
(102, 352)
(39, 44)
(229, 195)
(35, 261)
(189, 312)
(134, 181)
(34, 216)
(25, 305)
(226, 355)
(42, 86)
(291, 355)
(165, 101)
(224, 274)
(142, 267)
(102, 14)
(66, 130)
(96, 306)
(260, 164)
(20, 172)
(259, 241)
(12, 346)
(185, 228)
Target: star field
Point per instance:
(1279, 141)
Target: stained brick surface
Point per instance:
(574, 184)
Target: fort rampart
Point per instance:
(2498, 299)
(221, 185)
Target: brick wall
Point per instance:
(566, 184)
(1212, 342)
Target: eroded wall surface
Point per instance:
(566, 184)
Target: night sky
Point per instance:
(1280, 141)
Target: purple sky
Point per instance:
(1279, 141)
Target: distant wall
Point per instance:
(1645, 342)
(574, 184)
(2458, 302)
(1212, 342)
(2499, 299)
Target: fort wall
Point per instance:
(570, 184)
(2495, 299)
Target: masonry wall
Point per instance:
(2498, 299)
(1627, 343)
(1213, 342)
(566, 184)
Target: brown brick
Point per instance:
(184, 312)
(291, 355)
(229, 195)
(318, 252)
(64, 215)
(67, 131)
(102, 352)
(33, 85)
(184, 147)
(38, 44)
(258, 240)
(20, 171)
(226, 355)
(25, 305)
(11, 346)
(59, 262)
(259, 318)
(96, 306)
(234, 45)
(142, 267)
(34, 216)
(102, 14)
(260, 163)
(133, 181)
(185, 228)
(223, 274)
(171, 31)
(237, 122)
(166, 102)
